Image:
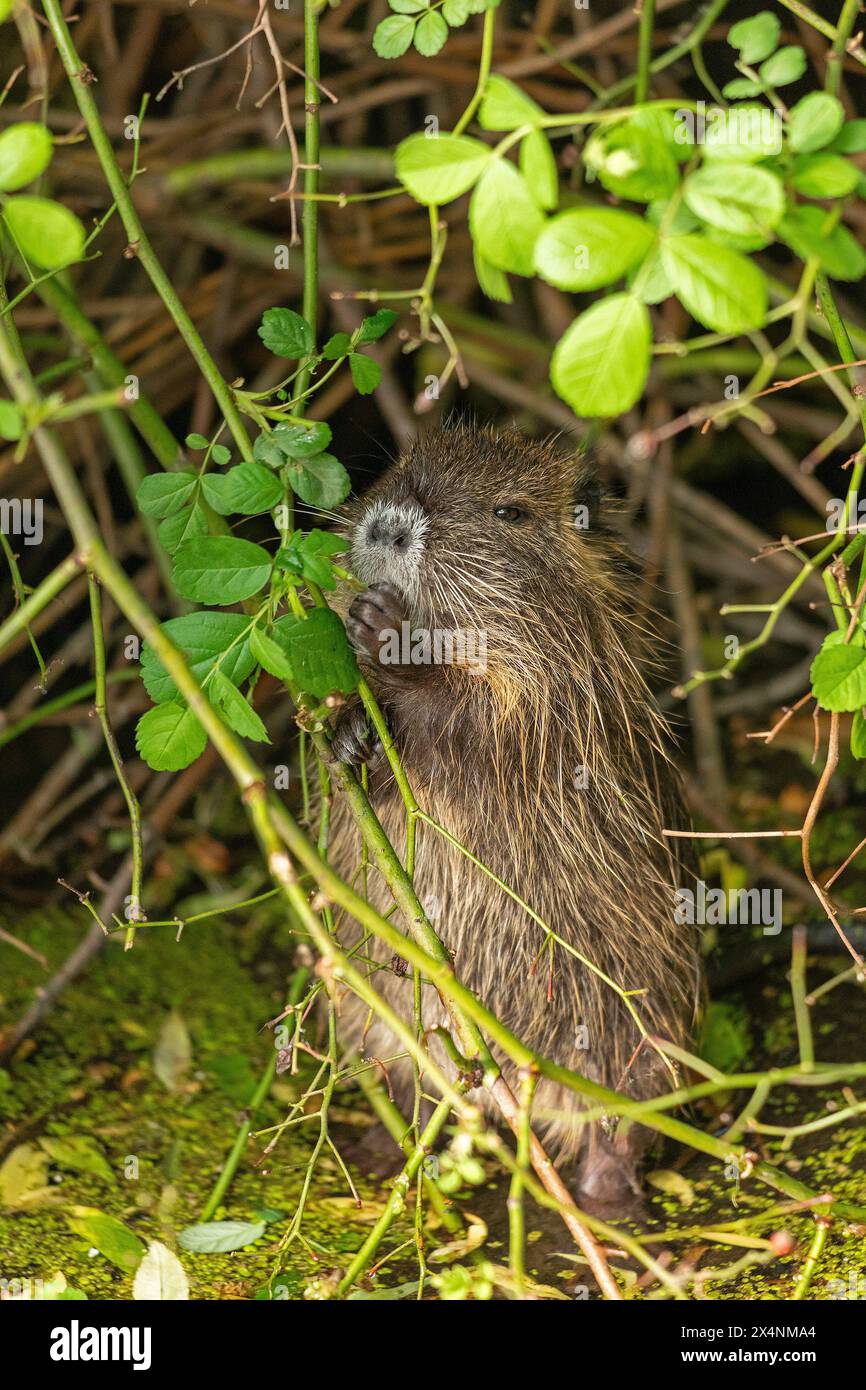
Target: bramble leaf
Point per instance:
(587, 248)
(504, 218)
(600, 364)
(25, 153)
(45, 232)
(286, 333)
(319, 654)
(220, 569)
(321, 481)
(238, 712)
(163, 494)
(439, 169)
(203, 638)
(169, 737)
(721, 288)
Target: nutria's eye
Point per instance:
(512, 514)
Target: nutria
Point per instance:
(539, 748)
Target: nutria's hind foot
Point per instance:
(353, 741)
(608, 1185)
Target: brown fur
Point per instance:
(493, 757)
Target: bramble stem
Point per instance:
(134, 911)
(644, 50)
(19, 620)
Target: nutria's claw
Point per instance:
(353, 741)
(377, 611)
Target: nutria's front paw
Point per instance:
(374, 616)
(353, 741)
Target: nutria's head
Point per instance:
(481, 528)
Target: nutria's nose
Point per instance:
(383, 532)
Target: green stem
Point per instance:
(644, 49)
(134, 911)
(79, 78)
(54, 584)
(397, 1199)
(310, 210)
(483, 71)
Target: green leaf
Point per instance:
(635, 158)
(600, 364)
(338, 345)
(169, 737)
(809, 231)
(455, 12)
(238, 712)
(745, 133)
(755, 37)
(11, 420)
(649, 279)
(839, 677)
(299, 441)
(220, 569)
(504, 218)
(375, 326)
(786, 66)
(184, 526)
(493, 282)
(393, 35)
(431, 31)
(202, 637)
(741, 87)
(218, 1237)
(270, 655)
(321, 481)
(248, 488)
(196, 441)
(160, 1277)
(439, 169)
(824, 175)
(220, 454)
(505, 106)
(587, 248)
(815, 121)
(366, 374)
(163, 494)
(286, 333)
(319, 654)
(858, 735)
(722, 289)
(851, 138)
(538, 167)
(739, 198)
(309, 556)
(46, 233)
(79, 1153)
(110, 1237)
(25, 153)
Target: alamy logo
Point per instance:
(77, 1343)
(423, 646)
(714, 907)
(22, 517)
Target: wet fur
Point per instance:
(493, 756)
